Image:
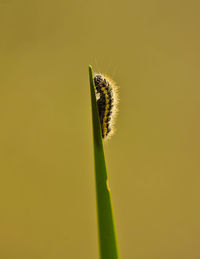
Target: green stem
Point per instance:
(107, 236)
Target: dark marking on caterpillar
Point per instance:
(107, 99)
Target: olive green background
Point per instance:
(47, 193)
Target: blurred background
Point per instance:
(47, 193)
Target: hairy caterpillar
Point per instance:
(107, 100)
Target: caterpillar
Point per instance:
(107, 100)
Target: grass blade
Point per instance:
(107, 236)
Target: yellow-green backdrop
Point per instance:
(47, 195)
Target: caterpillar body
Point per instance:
(107, 100)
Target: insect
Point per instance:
(107, 100)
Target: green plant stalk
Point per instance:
(107, 236)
